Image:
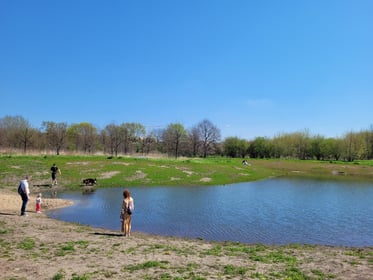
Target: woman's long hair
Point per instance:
(126, 194)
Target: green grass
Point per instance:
(146, 265)
(70, 247)
(27, 244)
(130, 172)
(235, 270)
(79, 277)
(59, 276)
(116, 172)
(65, 249)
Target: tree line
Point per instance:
(201, 140)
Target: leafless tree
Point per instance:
(104, 140)
(209, 136)
(16, 132)
(157, 135)
(132, 134)
(147, 144)
(114, 137)
(202, 139)
(194, 141)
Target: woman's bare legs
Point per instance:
(127, 231)
(123, 228)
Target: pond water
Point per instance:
(274, 211)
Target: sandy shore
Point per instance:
(11, 202)
(37, 247)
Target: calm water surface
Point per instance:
(275, 211)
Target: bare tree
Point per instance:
(194, 141)
(146, 144)
(209, 136)
(56, 135)
(103, 140)
(25, 137)
(157, 135)
(16, 132)
(115, 136)
(132, 133)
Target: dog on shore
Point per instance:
(90, 181)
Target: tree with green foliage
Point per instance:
(202, 139)
(260, 148)
(350, 146)
(55, 135)
(331, 149)
(235, 147)
(365, 144)
(82, 137)
(174, 136)
(315, 143)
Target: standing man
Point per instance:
(25, 193)
(54, 170)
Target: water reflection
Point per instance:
(276, 211)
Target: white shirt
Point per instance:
(25, 187)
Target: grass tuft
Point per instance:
(27, 244)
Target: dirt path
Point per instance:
(37, 247)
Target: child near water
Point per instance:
(38, 203)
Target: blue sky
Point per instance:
(253, 68)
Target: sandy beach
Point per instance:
(38, 247)
(10, 202)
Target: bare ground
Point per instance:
(38, 247)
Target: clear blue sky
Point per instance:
(253, 68)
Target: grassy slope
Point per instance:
(153, 172)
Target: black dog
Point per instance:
(90, 181)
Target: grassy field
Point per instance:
(131, 171)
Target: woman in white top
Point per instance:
(126, 212)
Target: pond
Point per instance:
(274, 211)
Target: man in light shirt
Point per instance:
(25, 194)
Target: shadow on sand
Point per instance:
(8, 214)
(107, 234)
